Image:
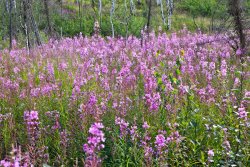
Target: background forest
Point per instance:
(41, 20)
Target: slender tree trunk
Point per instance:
(79, 12)
(132, 7)
(100, 13)
(2, 24)
(139, 2)
(126, 19)
(236, 12)
(60, 3)
(149, 15)
(47, 13)
(7, 5)
(112, 10)
(93, 5)
(162, 13)
(10, 23)
(16, 30)
(235, 9)
(212, 21)
(26, 24)
(170, 5)
(158, 2)
(34, 25)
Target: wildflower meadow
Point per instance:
(180, 99)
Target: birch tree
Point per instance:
(126, 18)
(170, 5)
(235, 10)
(149, 15)
(33, 24)
(30, 23)
(162, 13)
(26, 23)
(100, 12)
(79, 3)
(132, 7)
(158, 2)
(112, 10)
(47, 13)
(10, 22)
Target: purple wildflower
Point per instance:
(94, 144)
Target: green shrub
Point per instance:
(199, 7)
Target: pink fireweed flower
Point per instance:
(175, 136)
(5, 163)
(50, 69)
(210, 154)
(226, 145)
(32, 124)
(92, 100)
(123, 126)
(236, 82)
(145, 125)
(35, 92)
(146, 144)
(16, 70)
(31, 117)
(17, 159)
(46, 89)
(223, 68)
(94, 143)
(242, 113)
(160, 141)
(153, 101)
(96, 139)
(247, 94)
(238, 52)
(133, 132)
(148, 153)
(104, 69)
(161, 146)
(212, 66)
(62, 66)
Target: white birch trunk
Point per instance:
(27, 38)
(158, 2)
(112, 10)
(170, 12)
(132, 6)
(100, 12)
(162, 14)
(7, 5)
(126, 20)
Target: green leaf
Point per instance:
(178, 72)
(159, 81)
(175, 80)
(202, 157)
(162, 64)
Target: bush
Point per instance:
(199, 7)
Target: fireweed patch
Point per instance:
(166, 100)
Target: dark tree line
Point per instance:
(22, 22)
